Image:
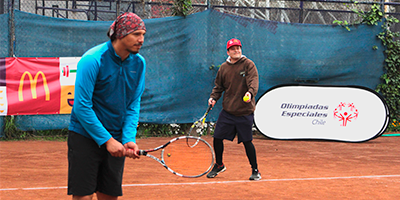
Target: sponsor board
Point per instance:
(35, 86)
(68, 69)
(32, 86)
(341, 113)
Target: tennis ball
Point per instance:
(169, 155)
(246, 98)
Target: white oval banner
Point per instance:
(342, 113)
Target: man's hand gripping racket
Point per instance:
(183, 160)
(197, 128)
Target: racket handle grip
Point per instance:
(209, 108)
(142, 153)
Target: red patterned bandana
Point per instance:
(126, 24)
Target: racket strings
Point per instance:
(186, 160)
(197, 129)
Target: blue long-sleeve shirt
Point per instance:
(107, 95)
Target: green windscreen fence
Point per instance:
(183, 54)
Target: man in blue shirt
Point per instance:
(108, 89)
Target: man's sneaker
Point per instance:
(216, 170)
(256, 175)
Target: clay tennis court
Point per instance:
(290, 170)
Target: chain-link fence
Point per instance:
(290, 11)
(286, 11)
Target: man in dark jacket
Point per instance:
(238, 78)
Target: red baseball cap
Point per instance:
(233, 42)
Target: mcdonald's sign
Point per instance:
(33, 86)
(33, 83)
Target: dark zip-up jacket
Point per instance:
(235, 80)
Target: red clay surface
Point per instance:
(290, 170)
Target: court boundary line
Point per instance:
(221, 182)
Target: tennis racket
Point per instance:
(183, 160)
(198, 127)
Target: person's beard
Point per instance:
(134, 52)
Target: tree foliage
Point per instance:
(390, 86)
(182, 8)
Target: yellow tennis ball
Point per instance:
(169, 155)
(246, 98)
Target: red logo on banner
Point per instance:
(345, 112)
(33, 86)
(65, 71)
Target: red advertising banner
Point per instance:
(32, 86)
(67, 72)
(3, 97)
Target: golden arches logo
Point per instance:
(33, 82)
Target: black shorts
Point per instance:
(229, 125)
(92, 168)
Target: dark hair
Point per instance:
(234, 45)
(112, 37)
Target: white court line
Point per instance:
(221, 182)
